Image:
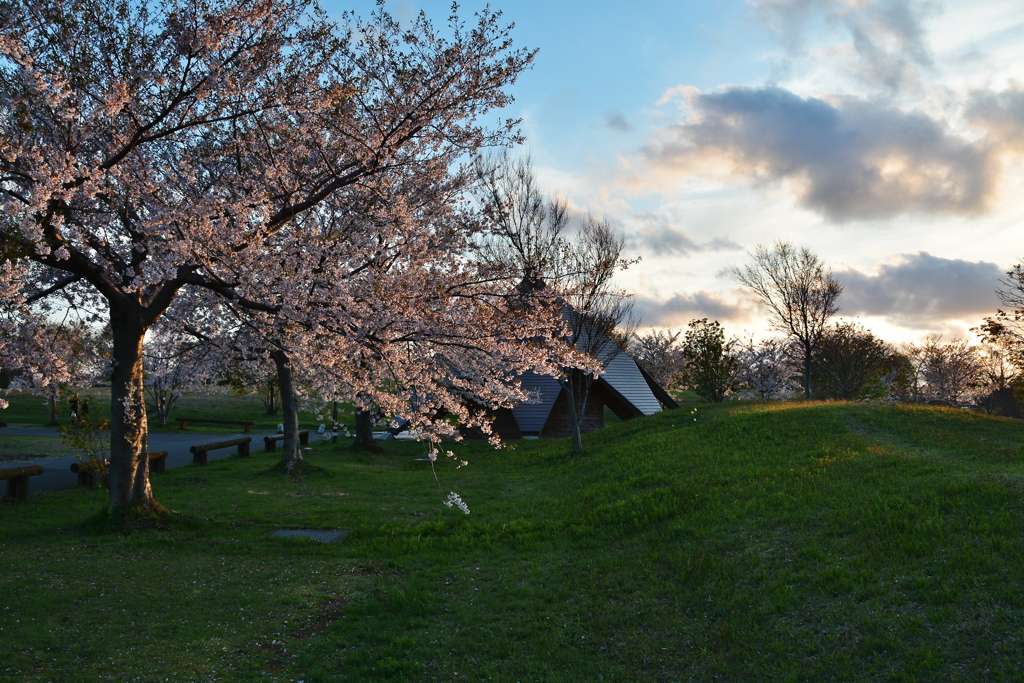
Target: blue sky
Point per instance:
(886, 136)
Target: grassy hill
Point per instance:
(741, 542)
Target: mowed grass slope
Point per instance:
(776, 542)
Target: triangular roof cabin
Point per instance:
(624, 388)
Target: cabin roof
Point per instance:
(622, 376)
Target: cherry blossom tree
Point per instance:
(948, 371)
(147, 150)
(659, 353)
(43, 353)
(421, 331)
(174, 362)
(766, 370)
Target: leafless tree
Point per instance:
(529, 241)
(526, 238)
(800, 292)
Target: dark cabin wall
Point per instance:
(558, 425)
(504, 425)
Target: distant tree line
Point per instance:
(827, 359)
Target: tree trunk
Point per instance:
(364, 430)
(291, 455)
(128, 473)
(574, 417)
(161, 405)
(807, 371)
(334, 421)
(53, 406)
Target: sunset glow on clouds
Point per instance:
(887, 136)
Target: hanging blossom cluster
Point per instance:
(455, 501)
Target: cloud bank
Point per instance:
(888, 39)
(682, 308)
(846, 159)
(1001, 115)
(922, 291)
(658, 234)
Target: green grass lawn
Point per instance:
(800, 542)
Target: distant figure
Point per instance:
(85, 407)
(73, 403)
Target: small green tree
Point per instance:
(711, 363)
(850, 363)
(88, 438)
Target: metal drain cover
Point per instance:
(321, 535)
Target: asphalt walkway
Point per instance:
(57, 472)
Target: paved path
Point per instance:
(57, 472)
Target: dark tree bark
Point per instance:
(291, 453)
(334, 421)
(808, 353)
(53, 406)
(128, 473)
(364, 431)
(574, 416)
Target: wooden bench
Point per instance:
(199, 452)
(270, 442)
(17, 480)
(185, 420)
(87, 473)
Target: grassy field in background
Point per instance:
(23, 447)
(32, 410)
(792, 541)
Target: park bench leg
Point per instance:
(269, 445)
(199, 458)
(17, 488)
(243, 450)
(159, 465)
